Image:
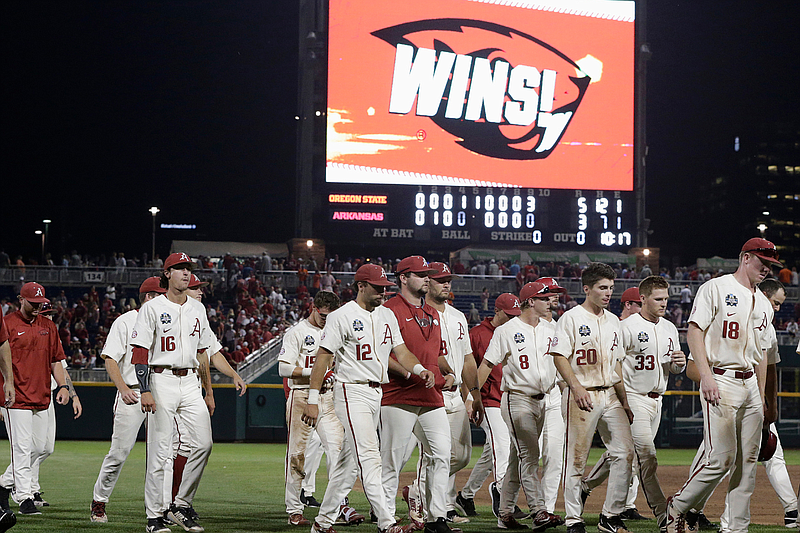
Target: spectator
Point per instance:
(792, 328)
(795, 279)
(686, 299)
(645, 271)
(5, 261)
(785, 276)
(474, 316)
(493, 270)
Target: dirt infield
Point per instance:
(766, 508)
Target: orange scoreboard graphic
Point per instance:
(481, 92)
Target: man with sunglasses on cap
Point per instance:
(360, 335)
(520, 347)
(36, 354)
(729, 354)
(171, 331)
(128, 414)
(409, 407)
(458, 353)
(631, 302)
(494, 458)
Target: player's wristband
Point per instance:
(418, 369)
(305, 372)
(61, 387)
(472, 389)
(313, 396)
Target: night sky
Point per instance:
(110, 108)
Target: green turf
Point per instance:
(241, 491)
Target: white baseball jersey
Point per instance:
(524, 352)
(173, 333)
(300, 345)
(773, 353)
(591, 343)
(728, 313)
(361, 342)
(455, 339)
(118, 348)
(648, 348)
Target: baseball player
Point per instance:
(128, 415)
(727, 352)
(7, 516)
(587, 351)
(360, 335)
(521, 346)
(408, 406)
(295, 361)
(170, 331)
(36, 354)
(631, 302)
(551, 442)
(458, 353)
(494, 457)
(652, 351)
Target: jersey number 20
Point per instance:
(586, 357)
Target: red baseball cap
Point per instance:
(763, 249)
(151, 285)
(509, 303)
(534, 289)
(33, 292)
(195, 282)
(178, 258)
(442, 272)
(631, 295)
(415, 264)
(373, 274)
(552, 284)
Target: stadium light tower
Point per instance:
(40, 232)
(154, 211)
(46, 222)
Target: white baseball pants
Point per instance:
(49, 448)
(731, 438)
(551, 447)
(127, 421)
(313, 459)
(330, 432)
(494, 458)
(524, 417)
(180, 397)
(430, 425)
(27, 435)
(609, 416)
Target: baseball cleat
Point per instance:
(156, 525)
(611, 524)
(577, 527)
(397, 527)
(509, 522)
(790, 519)
(439, 526)
(415, 510)
(308, 501)
(676, 522)
(4, 495)
(297, 519)
(38, 501)
(28, 507)
(178, 515)
(316, 528)
(454, 518)
(543, 520)
(7, 520)
(349, 517)
(167, 520)
(191, 513)
(632, 514)
(495, 494)
(699, 521)
(519, 514)
(465, 506)
(98, 512)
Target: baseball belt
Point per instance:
(180, 372)
(733, 373)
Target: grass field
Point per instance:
(241, 491)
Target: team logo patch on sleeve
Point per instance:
(165, 318)
(643, 337)
(584, 330)
(731, 300)
(358, 325)
(519, 338)
(309, 340)
(134, 334)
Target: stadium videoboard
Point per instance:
(498, 117)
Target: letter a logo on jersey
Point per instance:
(196, 328)
(460, 331)
(387, 336)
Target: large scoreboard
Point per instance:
(480, 121)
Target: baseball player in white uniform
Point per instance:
(360, 335)
(522, 346)
(551, 442)
(587, 351)
(652, 352)
(171, 331)
(128, 414)
(458, 353)
(727, 352)
(295, 361)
